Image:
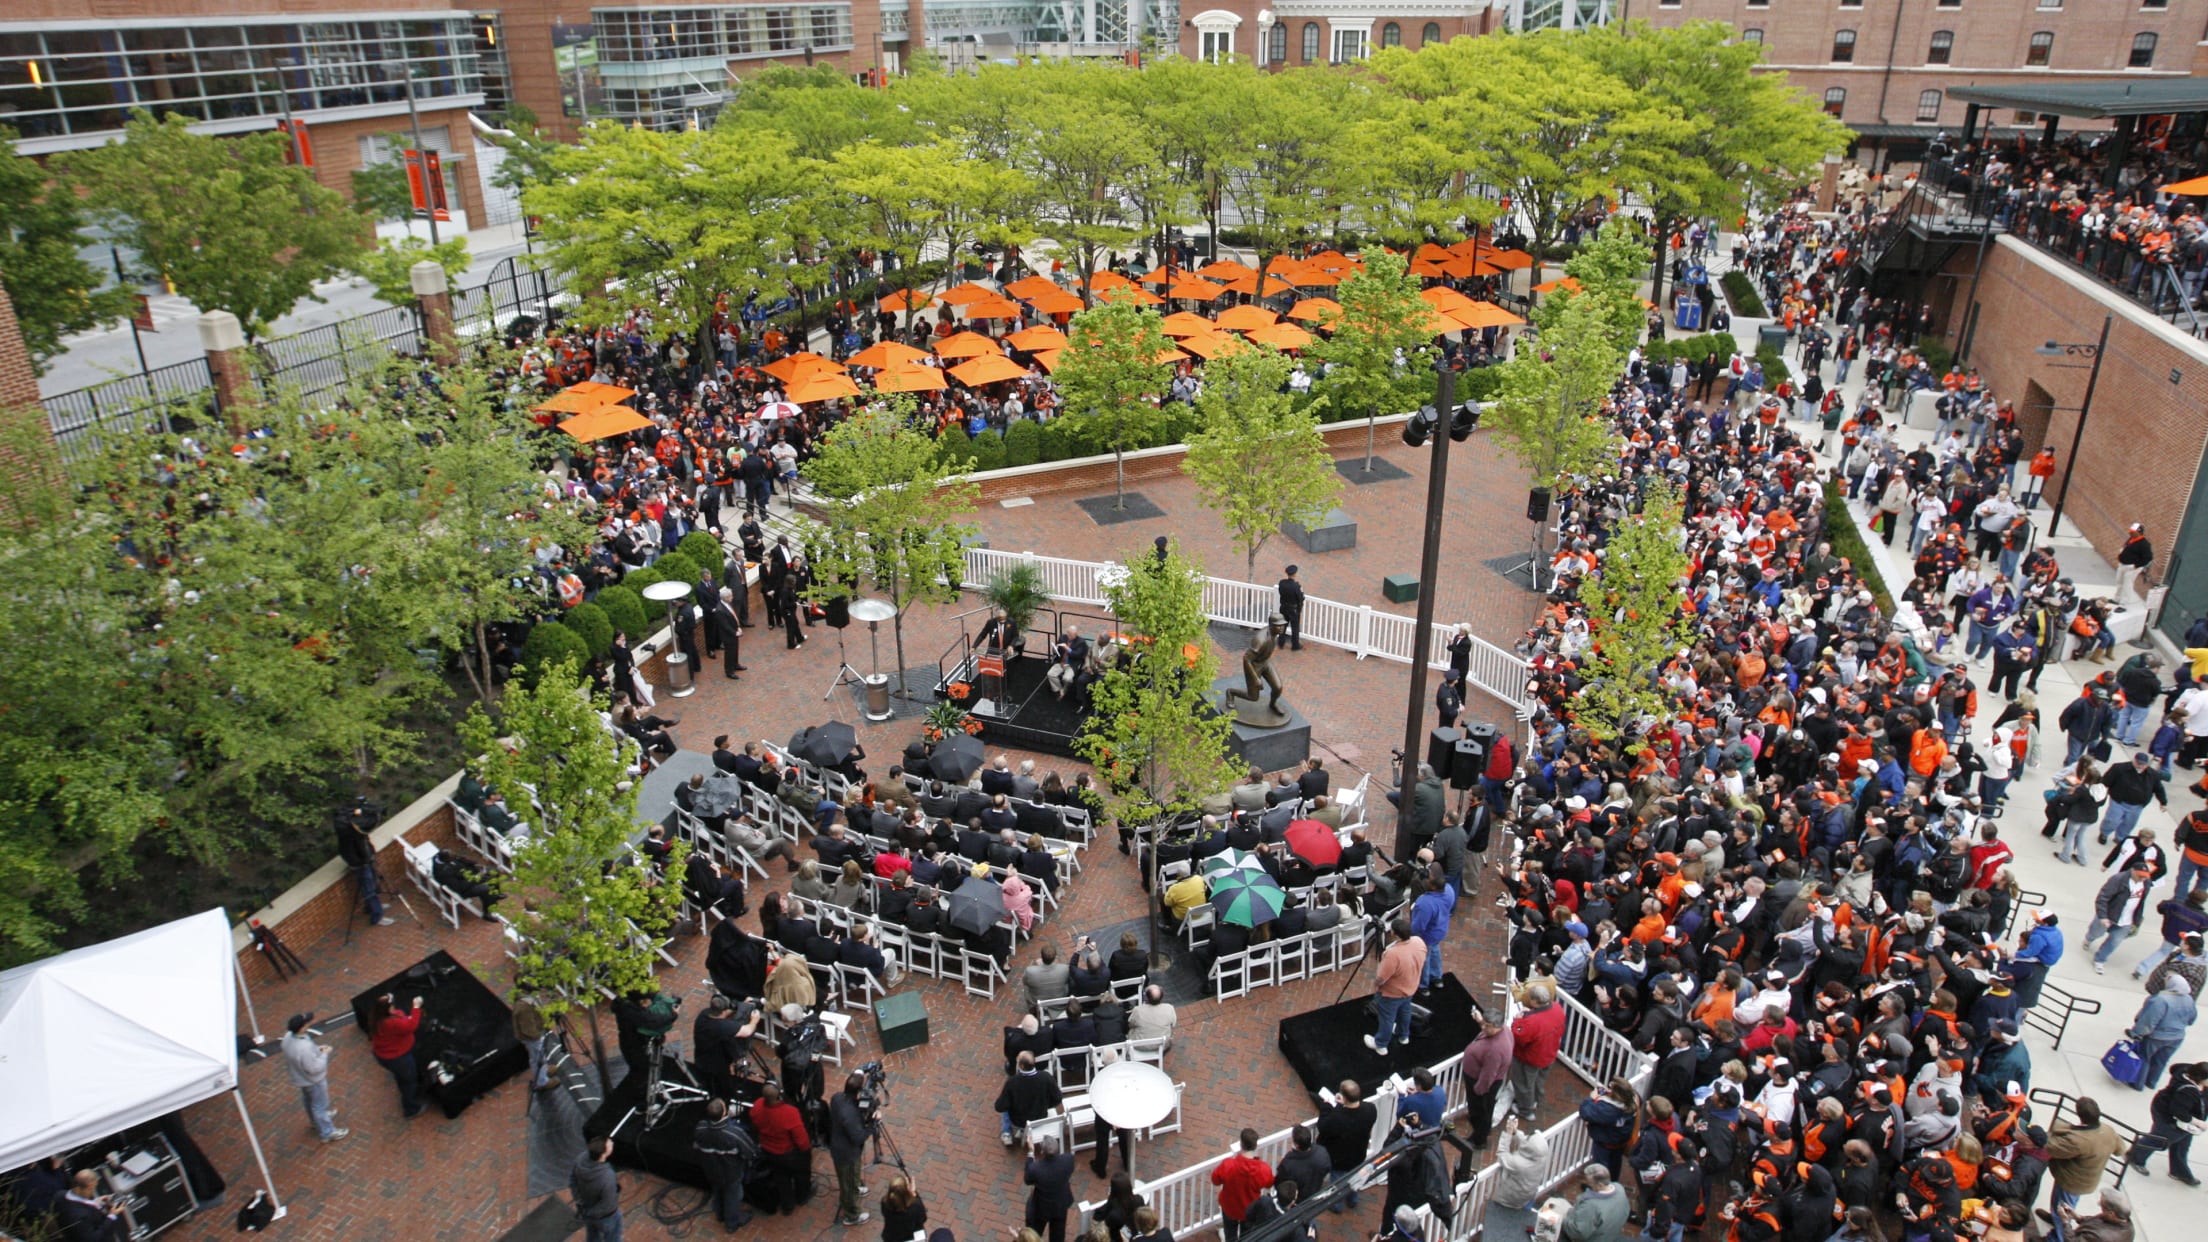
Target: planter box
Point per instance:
(1399, 588)
(1336, 533)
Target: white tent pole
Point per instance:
(252, 1019)
(259, 1159)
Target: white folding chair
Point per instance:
(421, 858)
(1171, 1123)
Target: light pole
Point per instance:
(1445, 422)
(2096, 351)
(421, 157)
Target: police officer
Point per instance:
(1291, 608)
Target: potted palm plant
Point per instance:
(1016, 591)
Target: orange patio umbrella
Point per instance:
(1212, 344)
(1510, 260)
(1281, 336)
(1315, 310)
(988, 369)
(1048, 358)
(1247, 285)
(801, 363)
(1195, 288)
(1159, 276)
(995, 308)
(886, 354)
(910, 378)
(1330, 261)
(821, 386)
(965, 345)
(1056, 302)
(1316, 277)
(969, 292)
(1244, 318)
(907, 299)
(1446, 300)
(1439, 324)
(1561, 282)
(1473, 248)
(1041, 336)
(1187, 323)
(1485, 315)
(607, 394)
(1029, 286)
(1108, 280)
(568, 401)
(1434, 251)
(2196, 186)
(1129, 293)
(606, 420)
(1227, 269)
(1451, 265)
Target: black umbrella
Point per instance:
(828, 745)
(976, 905)
(956, 758)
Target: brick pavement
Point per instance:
(466, 1179)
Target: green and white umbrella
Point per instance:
(1231, 859)
(1246, 898)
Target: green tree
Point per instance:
(680, 219)
(1112, 373)
(891, 512)
(1609, 269)
(1159, 746)
(1633, 604)
(821, 110)
(528, 152)
(384, 191)
(1259, 461)
(586, 910)
(229, 223)
(390, 266)
(897, 200)
(1549, 412)
(54, 290)
(1379, 343)
(1297, 160)
(1079, 146)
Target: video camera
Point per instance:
(874, 1090)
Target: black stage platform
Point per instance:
(1036, 719)
(665, 1150)
(465, 1028)
(1325, 1046)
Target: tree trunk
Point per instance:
(1119, 473)
(897, 631)
(1372, 425)
(1656, 281)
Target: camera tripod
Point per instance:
(845, 674)
(660, 1096)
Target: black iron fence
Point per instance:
(87, 421)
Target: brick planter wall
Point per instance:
(1081, 474)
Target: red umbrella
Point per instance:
(1314, 842)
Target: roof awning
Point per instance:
(2096, 100)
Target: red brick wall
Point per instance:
(2144, 432)
(18, 383)
(325, 912)
(1343, 439)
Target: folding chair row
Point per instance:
(488, 845)
(421, 860)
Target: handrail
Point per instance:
(1356, 628)
(2064, 1102)
(2051, 1016)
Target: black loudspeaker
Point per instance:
(1483, 733)
(839, 612)
(1467, 762)
(1537, 505)
(1441, 751)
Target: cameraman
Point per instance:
(720, 1040)
(799, 1054)
(728, 1151)
(849, 1126)
(641, 1021)
(354, 845)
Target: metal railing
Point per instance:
(1357, 628)
(2057, 1005)
(2065, 1106)
(128, 406)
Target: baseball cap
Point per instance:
(298, 1022)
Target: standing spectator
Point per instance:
(785, 1146)
(1240, 1177)
(726, 1149)
(391, 1040)
(1345, 1132)
(2181, 917)
(1306, 1164)
(1523, 1153)
(1027, 1097)
(848, 1129)
(2130, 787)
(1430, 919)
(2077, 1153)
(2118, 911)
(1536, 1037)
(1485, 1067)
(1050, 1172)
(597, 1191)
(2131, 562)
(308, 1063)
(1400, 969)
(1290, 607)
(2179, 1111)
(1600, 1212)
(904, 1212)
(2160, 1027)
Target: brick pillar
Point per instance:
(19, 394)
(1828, 187)
(223, 339)
(433, 296)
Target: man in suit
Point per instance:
(1076, 1030)
(1313, 782)
(795, 583)
(1024, 785)
(937, 802)
(1050, 1172)
(1071, 655)
(774, 579)
(861, 951)
(973, 843)
(727, 760)
(1048, 979)
(997, 780)
(726, 632)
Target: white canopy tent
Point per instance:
(103, 1038)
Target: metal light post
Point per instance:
(1446, 425)
(2096, 351)
(421, 157)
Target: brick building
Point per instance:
(1886, 67)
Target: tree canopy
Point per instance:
(54, 290)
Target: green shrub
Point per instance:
(1847, 542)
(1774, 367)
(591, 622)
(1023, 442)
(989, 450)
(703, 549)
(1741, 291)
(1056, 437)
(956, 445)
(1181, 422)
(1481, 384)
(637, 579)
(1937, 355)
(549, 644)
(675, 567)
(624, 608)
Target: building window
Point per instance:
(1276, 49)
(1949, 4)
(2154, 4)
(1759, 4)
(1928, 107)
(1843, 46)
(1391, 35)
(1754, 34)
(1667, 4)
(1431, 35)
(2042, 48)
(1216, 45)
(1942, 49)
(2142, 50)
(1349, 45)
(1310, 43)
(1836, 98)
(1851, 4)
(2050, 4)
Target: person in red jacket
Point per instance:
(391, 1039)
(1241, 1178)
(1502, 761)
(787, 1149)
(1535, 1038)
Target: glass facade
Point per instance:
(62, 84)
(718, 32)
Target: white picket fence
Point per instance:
(1357, 628)
(1187, 1201)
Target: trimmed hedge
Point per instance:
(675, 567)
(549, 644)
(1847, 541)
(1023, 442)
(591, 622)
(702, 549)
(1693, 349)
(624, 608)
(1741, 292)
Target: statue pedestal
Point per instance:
(1268, 748)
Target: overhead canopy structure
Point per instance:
(104, 1038)
(2096, 101)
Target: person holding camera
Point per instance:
(727, 1150)
(391, 1041)
(720, 1040)
(641, 1021)
(849, 1126)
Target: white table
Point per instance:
(1129, 1095)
